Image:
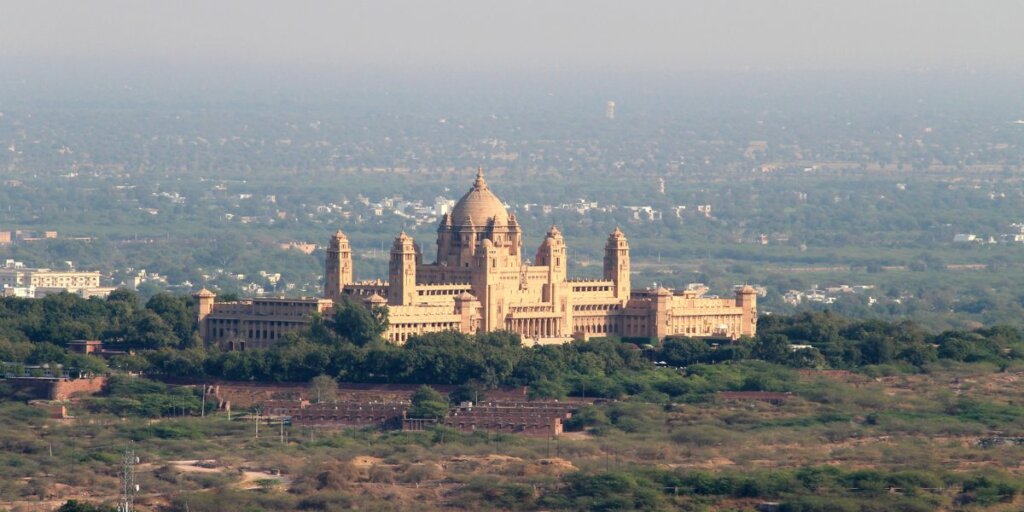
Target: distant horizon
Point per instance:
(216, 83)
(526, 37)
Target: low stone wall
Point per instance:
(754, 396)
(58, 388)
(55, 410)
(243, 395)
(65, 388)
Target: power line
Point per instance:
(126, 503)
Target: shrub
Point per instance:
(987, 490)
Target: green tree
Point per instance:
(954, 345)
(86, 363)
(877, 349)
(806, 358)
(918, 354)
(176, 312)
(546, 388)
(148, 330)
(683, 351)
(469, 392)
(358, 324)
(81, 506)
(125, 296)
(428, 403)
(324, 389)
(773, 348)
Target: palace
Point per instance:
(479, 281)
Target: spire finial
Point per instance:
(479, 183)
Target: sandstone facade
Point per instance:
(480, 281)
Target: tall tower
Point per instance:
(616, 263)
(444, 238)
(552, 254)
(402, 271)
(609, 110)
(515, 238)
(338, 266)
(746, 298)
(204, 305)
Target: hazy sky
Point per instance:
(520, 35)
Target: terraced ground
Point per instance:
(949, 439)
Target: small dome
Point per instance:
(402, 241)
(662, 291)
(204, 293)
(553, 238)
(466, 296)
(480, 204)
(339, 235)
(376, 299)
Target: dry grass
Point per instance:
(895, 423)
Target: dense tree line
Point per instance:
(37, 331)
(347, 345)
(165, 320)
(845, 343)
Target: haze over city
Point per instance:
(407, 37)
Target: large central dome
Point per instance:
(479, 205)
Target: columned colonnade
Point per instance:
(535, 327)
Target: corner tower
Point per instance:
(746, 299)
(338, 266)
(402, 271)
(204, 306)
(552, 254)
(616, 263)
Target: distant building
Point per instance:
(86, 346)
(303, 247)
(480, 282)
(254, 323)
(23, 236)
(21, 292)
(443, 205)
(609, 110)
(42, 281)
